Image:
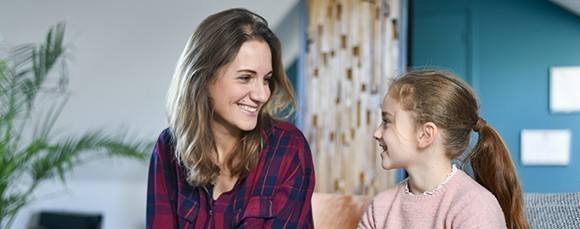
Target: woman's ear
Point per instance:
(427, 133)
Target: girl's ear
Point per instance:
(427, 133)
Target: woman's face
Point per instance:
(396, 135)
(242, 88)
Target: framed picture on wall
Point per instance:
(564, 92)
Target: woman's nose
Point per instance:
(260, 92)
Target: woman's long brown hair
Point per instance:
(213, 45)
(449, 102)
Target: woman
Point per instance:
(428, 117)
(227, 160)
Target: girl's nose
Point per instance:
(378, 134)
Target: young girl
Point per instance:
(428, 117)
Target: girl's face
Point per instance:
(242, 88)
(396, 135)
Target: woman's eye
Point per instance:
(267, 80)
(244, 78)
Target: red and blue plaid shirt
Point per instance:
(275, 194)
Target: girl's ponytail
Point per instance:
(493, 168)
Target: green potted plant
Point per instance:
(30, 153)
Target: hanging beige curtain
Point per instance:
(352, 51)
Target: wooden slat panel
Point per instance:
(352, 53)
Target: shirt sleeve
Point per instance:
(291, 201)
(161, 186)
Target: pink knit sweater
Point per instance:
(461, 203)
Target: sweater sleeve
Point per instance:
(368, 219)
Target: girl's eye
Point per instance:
(386, 121)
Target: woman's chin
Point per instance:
(248, 126)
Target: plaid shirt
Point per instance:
(276, 193)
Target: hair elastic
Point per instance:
(479, 124)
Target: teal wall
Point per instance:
(511, 44)
(292, 73)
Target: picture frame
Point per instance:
(564, 92)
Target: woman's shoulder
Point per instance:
(165, 135)
(284, 130)
(285, 127)
(164, 145)
(287, 143)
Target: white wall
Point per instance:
(124, 55)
